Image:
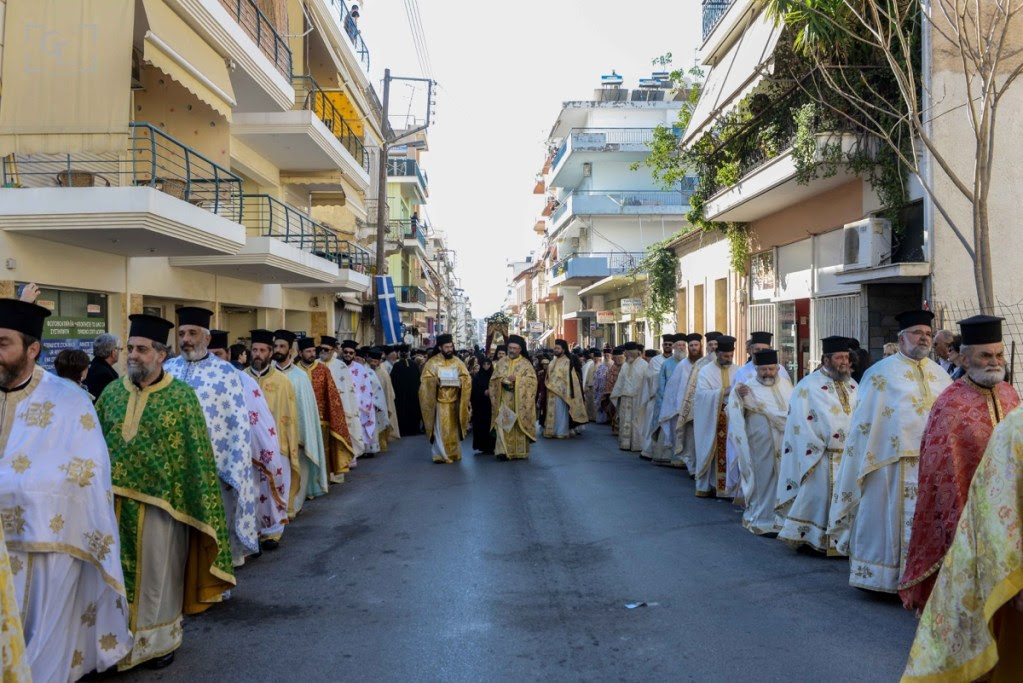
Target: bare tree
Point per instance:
(984, 37)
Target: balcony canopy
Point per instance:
(737, 74)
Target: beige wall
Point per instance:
(823, 213)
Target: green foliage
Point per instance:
(661, 266)
(530, 312)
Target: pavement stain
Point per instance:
(569, 555)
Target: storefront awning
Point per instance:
(741, 69)
(178, 51)
(66, 76)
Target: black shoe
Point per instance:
(160, 662)
(269, 544)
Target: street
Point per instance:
(513, 571)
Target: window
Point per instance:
(681, 311)
(698, 302)
(721, 305)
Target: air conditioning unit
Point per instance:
(866, 243)
(584, 232)
(587, 169)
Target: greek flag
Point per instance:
(387, 302)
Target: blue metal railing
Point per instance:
(410, 294)
(617, 261)
(400, 229)
(262, 31)
(601, 202)
(613, 136)
(309, 96)
(351, 28)
(355, 257)
(559, 154)
(151, 158)
(713, 10)
(407, 167)
(273, 218)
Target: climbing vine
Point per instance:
(661, 267)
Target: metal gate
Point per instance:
(833, 316)
(762, 318)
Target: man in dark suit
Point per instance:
(106, 351)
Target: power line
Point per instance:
(422, 39)
(417, 39)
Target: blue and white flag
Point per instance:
(387, 302)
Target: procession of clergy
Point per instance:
(120, 518)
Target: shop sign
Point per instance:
(605, 317)
(70, 333)
(632, 306)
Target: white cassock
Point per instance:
(671, 406)
(657, 445)
(756, 424)
(218, 386)
(349, 400)
(626, 395)
(366, 403)
(875, 493)
(271, 471)
(381, 416)
(312, 455)
(384, 377)
(710, 428)
(745, 374)
(685, 433)
(815, 434)
(57, 506)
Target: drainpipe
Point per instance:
(927, 169)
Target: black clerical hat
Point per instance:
(349, 344)
(765, 357)
(981, 329)
(562, 343)
(376, 353)
(150, 326)
(725, 343)
(362, 351)
(218, 339)
(711, 336)
(632, 346)
(262, 337)
(695, 336)
(501, 347)
(306, 343)
(909, 319)
(516, 339)
(193, 315)
(669, 338)
(328, 341)
(618, 350)
(834, 344)
(761, 338)
(286, 335)
(23, 317)
(443, 339)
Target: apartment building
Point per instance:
(601, 213)
(823, 262)
(187, 152)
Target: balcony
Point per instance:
(341, 18)
(408, 171)
(313, 138)
(767, 182)
(411, 298)
(713, 12)
(157, 198)
(284, 246)
(587, 145)
(620, 203)
(252, 20)
(355, 263)
(587, 268)
(406, 233)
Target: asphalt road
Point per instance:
(519, 571)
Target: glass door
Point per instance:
(788, 338)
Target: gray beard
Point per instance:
(678, 355)
(724, 364)
(917, 353)
(767, 381)
(986, 378)
(12, 373)
(257, 364)
(197, 353)
(138, 373)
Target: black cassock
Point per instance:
(483, 439)
(405, 380)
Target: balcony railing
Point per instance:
(273, 218)
(401, 229)
(407, 167)
(309, 96)
(351, 29)
(262, 31)
(610, 202)
(615, 136)
(355, 257)
(151, 158)
(410, 294)
(713, 10)
(618, 262)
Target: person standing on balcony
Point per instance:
(271, 472)
(279, 394)
(405, 380)
(710, 421)
(391, 431)
(175, 547)
(513, 402)
(815, 434)
(312, 479)
(55, 499)
(566, 408)
(337, 441)
(626, 395)
(444, 395)
(222, 398)
(876, 486)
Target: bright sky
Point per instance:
(503, 70)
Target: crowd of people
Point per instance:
(128, 502)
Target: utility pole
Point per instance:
(386, 142)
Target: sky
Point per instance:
(503, 69)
